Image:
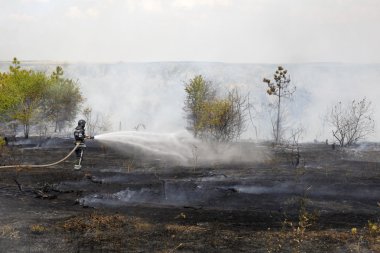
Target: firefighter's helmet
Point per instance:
(82, 123)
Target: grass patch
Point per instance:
(9, 232)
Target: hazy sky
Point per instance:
(259, 31)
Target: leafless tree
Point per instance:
(293, 143)
(96, 123)
(281, 88)
(274, 117)
(139, 126)
(351, 122)
(250, 108)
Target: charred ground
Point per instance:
(127, 203)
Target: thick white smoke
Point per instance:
(153, 93)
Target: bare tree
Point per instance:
(139, 126)
(294, 145)
(250, 108)
(351, 122)
(274, 117)
(281, 88)
(96, 123)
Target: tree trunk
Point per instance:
(278, 116)
(26, 130)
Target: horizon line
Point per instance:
(186, 61)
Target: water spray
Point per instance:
(181, 147)
(174, 146)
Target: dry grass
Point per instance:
(140, 224)
(185, 228)
(9, 232)
(355, 240)
(99, 222)
(367, 237)
(38, 229)
(280, 241)
(129, 165)
(95, 222)
(96, 231)
(108, 232)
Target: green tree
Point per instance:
(281, 88)
(8, 97)
(27, 88)
(61, 102)
(198, 91)
(213, 118)
(29, 96)
(7, 101)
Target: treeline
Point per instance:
(35, 98)
(216, 115)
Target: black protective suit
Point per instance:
(79, 135)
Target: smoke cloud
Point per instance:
(153, 93)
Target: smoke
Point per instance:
(153, 93)
(181, 148)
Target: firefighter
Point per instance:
(80, 136)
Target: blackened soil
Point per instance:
(128, 203)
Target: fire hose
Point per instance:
(43, 165)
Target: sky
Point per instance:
(233, 31)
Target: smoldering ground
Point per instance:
(244, 200)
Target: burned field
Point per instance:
(121, 202)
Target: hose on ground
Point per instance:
(42, 165)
